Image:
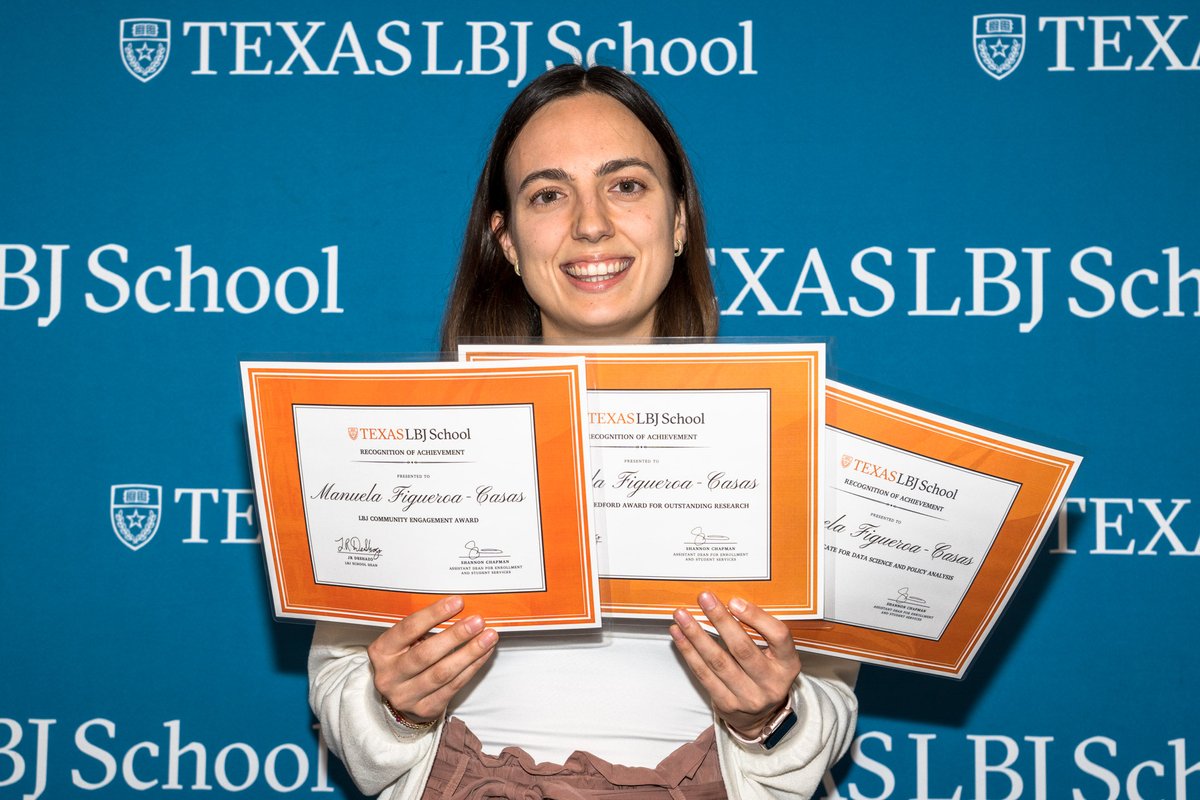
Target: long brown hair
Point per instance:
(489, 300)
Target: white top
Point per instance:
(621, 694)
(634, 715)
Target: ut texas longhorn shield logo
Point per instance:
(999, 43)
(145, 46)
(135, 511)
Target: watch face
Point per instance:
(779, 728)
(776, 721)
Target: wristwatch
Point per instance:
(773, 732)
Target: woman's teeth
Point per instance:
(596, 271)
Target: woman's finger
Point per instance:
(735, 639)
(745, 682)
(432, 649)
(720, 695)
(408, 631)
(714, 659)
(449, 667)
(777, 635)
(415, 691)
(432, 706)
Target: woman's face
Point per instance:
(593, 219)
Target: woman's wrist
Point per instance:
(403, 721)
(755, 726)
(767, 732)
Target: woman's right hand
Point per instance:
(419, 673)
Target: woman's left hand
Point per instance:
(747, 684)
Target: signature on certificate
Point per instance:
(903, 596)
(353, 544)
(700, 537)
(474, 551)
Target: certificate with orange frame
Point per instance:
(382, 487)
(707, 463)
(930, 525)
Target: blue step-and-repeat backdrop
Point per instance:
(991, 210)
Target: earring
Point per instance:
(678, 247)
(517, 266)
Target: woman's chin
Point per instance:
(597, 326)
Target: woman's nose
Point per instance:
(592, 221)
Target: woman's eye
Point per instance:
(629, 187)
(545, 197)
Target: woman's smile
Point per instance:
(597, 274)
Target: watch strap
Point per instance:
(773, 732)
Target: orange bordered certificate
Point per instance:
(930, 525)
(382, 487)
(707, 463)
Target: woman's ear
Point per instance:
(681, 222)
(500, 231)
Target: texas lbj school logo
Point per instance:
(145, 46)
(999, 43)
(135, 511)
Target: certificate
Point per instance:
(383, 486)
(706, 466)
(929, 526)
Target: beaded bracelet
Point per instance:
(405, 721)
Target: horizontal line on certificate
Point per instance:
(684, 579)
(889, 505)
(396, 461)
(454, 589)
(650, 447)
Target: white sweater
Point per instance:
(622, 694)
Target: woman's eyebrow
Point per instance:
(552, 174)
(618, 164)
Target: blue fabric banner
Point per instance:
(991, 210)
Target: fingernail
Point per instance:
(738, 605)
(682, 617)
(488, 638)
(707, 601)
(473, 624)
(454, 604)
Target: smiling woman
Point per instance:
(586, 226)
(586, 202)
(593, 223)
